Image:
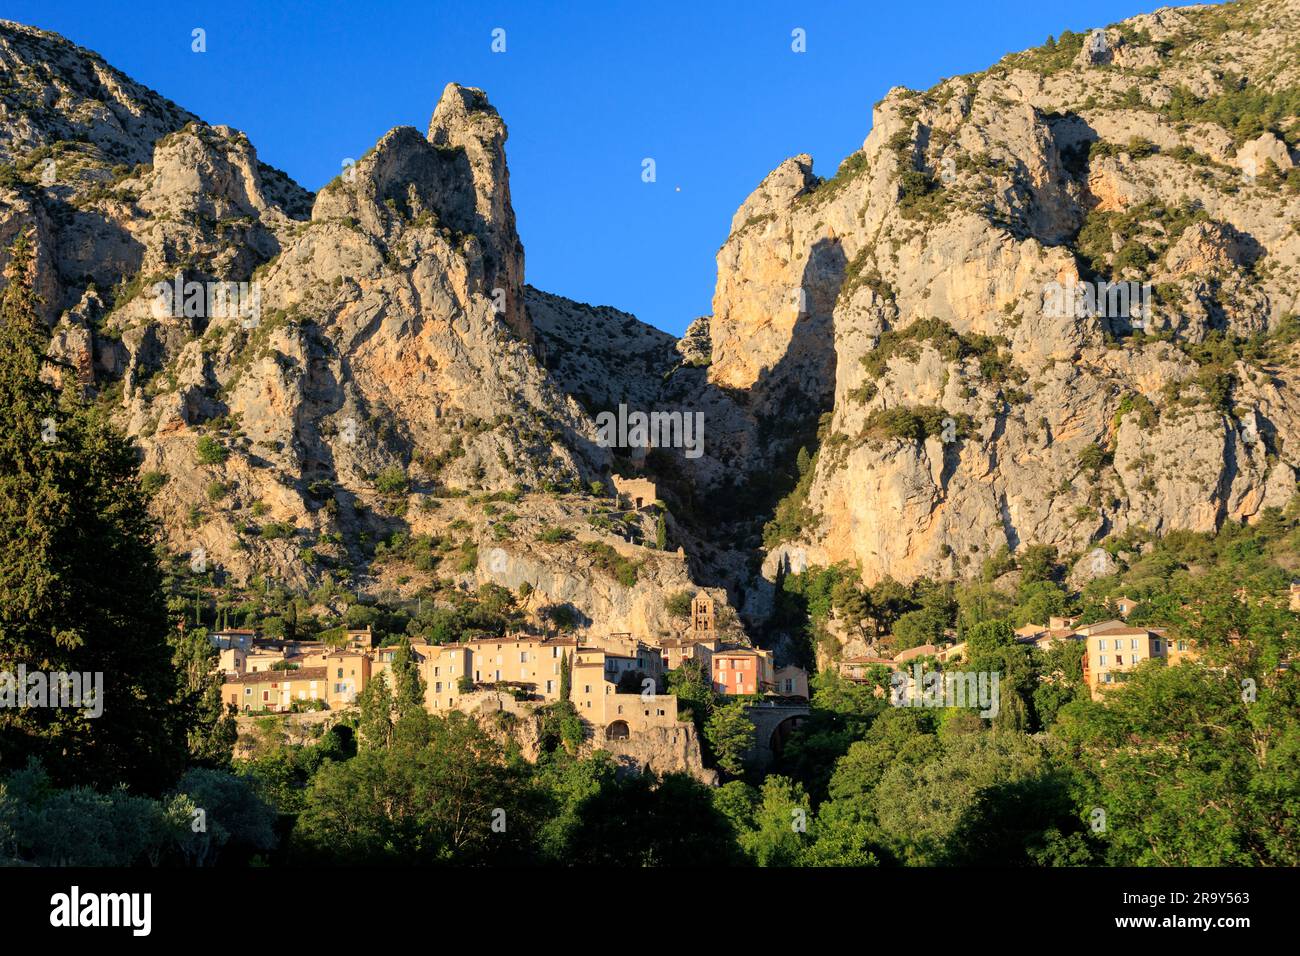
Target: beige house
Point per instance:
(924, 650)
(792, 681)
(639, 493)
(616, 715)
(347, 673)
(1114, 650)
(1125, 605)
(678, 650)
(275, 691)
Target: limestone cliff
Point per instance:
(896, 319)
(914, 286)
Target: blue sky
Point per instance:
(710, 90)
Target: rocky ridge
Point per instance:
(890, 319)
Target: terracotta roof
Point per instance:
(268, 677)
(1103, 627)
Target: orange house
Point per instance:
(743, 670)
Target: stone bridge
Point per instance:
(773, 723)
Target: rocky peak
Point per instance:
(790, 179)
(465, 122)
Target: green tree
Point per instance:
(408, 686)
(444, 792)
(647, 820)
(1191, 769)
(678, 604)
(566, 676)
(80, 586)
(691, 685)
(233, 820)
(209, 451)
(375, 704)
(730, 734)
(211, 722)
(781, 822)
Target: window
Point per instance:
(550, 685)
(1101, 643)
(437, 687)
(1102, 660)
(587, 690)
(340, 673)
(1133, 644)
(523, 657)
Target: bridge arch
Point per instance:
(782, 731)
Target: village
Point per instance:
(614, 681)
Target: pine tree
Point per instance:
(375, 723)
(80, 586)
(211, 722)
(566, 676)
(661, 534)
(408, 687)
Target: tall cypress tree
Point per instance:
(80, 586)
(408, 686)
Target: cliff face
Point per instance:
(397, 364)
(388, 328)
(970, 411)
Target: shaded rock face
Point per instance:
(779, 273)
(660, 750)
